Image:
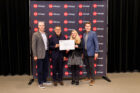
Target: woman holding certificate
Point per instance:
(74, 57)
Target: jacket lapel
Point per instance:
(88, 36)
(85, 35)
(39, 34)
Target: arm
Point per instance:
(64, 52)
(96, 46)
(51, 44)
(34, 43)
(80, 46)
(96, 43)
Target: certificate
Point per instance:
(66, 45)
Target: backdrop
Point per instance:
(73, 15)
(123, 44)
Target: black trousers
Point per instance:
(75, 69)
(58, 69)
(43, 68)
(89, 62)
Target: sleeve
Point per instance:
(51, 44)
(80, 46)
(34, 45)
(96, 43)
(64, 51)
(82, 42)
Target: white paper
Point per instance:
(66, 45)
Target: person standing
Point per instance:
(40, 51)
(90, 51)
(57, 56)
(75, 57)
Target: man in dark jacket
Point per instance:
(57, 56)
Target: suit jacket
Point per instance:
(55, 51)
(92, 43)
(38, 46)
(78, 51)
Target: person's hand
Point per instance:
(82, 56)
(65, 59)
(76, 46)
(35, 58)
(57, 45)
(67, 51)
(96, 55)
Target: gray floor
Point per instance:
(121, 83)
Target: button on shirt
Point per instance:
(44, 40)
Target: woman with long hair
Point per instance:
(75, 57)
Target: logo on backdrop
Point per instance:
(72, 15)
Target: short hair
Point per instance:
(88, 23)
(57, 26)
(41, 22)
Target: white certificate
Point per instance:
(66, 45)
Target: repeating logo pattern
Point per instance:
(73, 15)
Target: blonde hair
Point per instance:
(77, 38)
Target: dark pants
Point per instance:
(42, 68)
(75, 72)
(58, 69)
(89, 62)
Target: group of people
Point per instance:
(86, 50)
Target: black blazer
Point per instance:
(77, 52)
(55, 51)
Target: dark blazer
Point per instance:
(78, 51)
(38, 47)
(92, 43)
(55, 51)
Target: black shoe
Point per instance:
(55, 83)
(72, 82)
(77, 83)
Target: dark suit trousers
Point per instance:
(58, 69)
(43, 68)
(89, 62)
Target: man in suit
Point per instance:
(40, 49)
(91, 48)
(57, 56)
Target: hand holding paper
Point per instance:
(66, 45)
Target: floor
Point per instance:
(121, 83)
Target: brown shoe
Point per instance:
(55, 83)
(92, 82)
(61, 83)
(86, 79)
